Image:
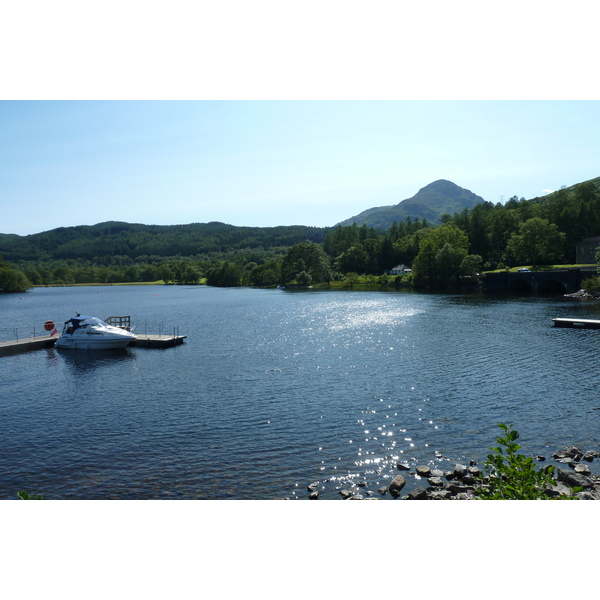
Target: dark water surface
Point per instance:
(273, 390)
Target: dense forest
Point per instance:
(536, 232)
(115, 252)
(101, 243)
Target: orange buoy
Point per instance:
(49, 325)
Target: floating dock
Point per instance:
(157, 341)
(577, 323)
(47, 341)
(26, 344)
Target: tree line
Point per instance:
(99, 243)
(489, 236)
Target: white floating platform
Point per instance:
(577, 323)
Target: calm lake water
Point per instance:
(273, 390)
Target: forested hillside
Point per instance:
(488, 236)
(540, 230)
(536, 232)
(103, 241)
(114, 252)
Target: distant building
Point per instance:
(401, 270)
(586, 251)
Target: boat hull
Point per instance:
(103, 343)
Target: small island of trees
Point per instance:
(11, 279)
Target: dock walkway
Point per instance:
(157, 341)
(26, 344)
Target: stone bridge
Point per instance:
(553, 281)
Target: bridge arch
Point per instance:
(551, 286)
(521, 286)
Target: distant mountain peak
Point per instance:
(430, 202)
(442, 185)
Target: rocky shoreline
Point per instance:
(461, 482)
(584, 294)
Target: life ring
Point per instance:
(49, 325)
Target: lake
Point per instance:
(275, 389)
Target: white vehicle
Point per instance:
(90, 333)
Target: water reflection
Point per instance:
(86, 361)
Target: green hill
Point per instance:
(583, 188)
(95, 242)
(431, 202)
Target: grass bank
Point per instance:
(540, 268)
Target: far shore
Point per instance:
(159, 282)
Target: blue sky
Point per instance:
(267, 163)
(263, 114)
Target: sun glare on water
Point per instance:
(354, 314)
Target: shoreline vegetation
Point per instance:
(590, 290)
(305, 265)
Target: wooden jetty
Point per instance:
(47, 341)
(577, 323)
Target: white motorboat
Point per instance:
(91, 333)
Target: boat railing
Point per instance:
(9, 334)
(144, 329)
(122, 322)
(150, 329)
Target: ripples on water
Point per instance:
(274, 390)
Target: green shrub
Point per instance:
(512, 476)
(592, 284)
(26, 496)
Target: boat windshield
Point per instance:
(77, 322)
(90, 321)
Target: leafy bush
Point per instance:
(513, 476)
(303, 278)
(592, 284)
(27, 496)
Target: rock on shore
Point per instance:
(461, 482)
(584, 294)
